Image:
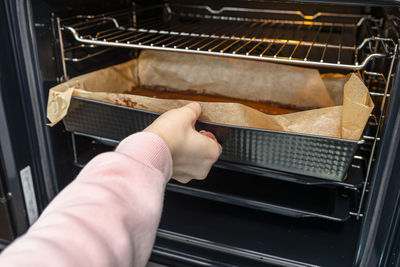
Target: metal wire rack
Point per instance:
(283, 36)
(69, 52)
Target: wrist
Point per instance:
(150, 149)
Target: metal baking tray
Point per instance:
(309, 155)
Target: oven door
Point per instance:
(22, 191)
(6, 232)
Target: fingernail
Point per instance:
(208, 134)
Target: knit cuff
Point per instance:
(150, 149)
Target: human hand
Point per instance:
(193, 153)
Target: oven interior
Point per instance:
(240, 214)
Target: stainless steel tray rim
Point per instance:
(359, 142)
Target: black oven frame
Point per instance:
(377, 243)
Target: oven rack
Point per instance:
(281, 36)
(82, 52)
(353, 182)
(340, 213)
(342, 203)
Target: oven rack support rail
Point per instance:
(299, 40)
(384, 102)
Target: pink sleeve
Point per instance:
(108, 216)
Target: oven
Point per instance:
(243, 214)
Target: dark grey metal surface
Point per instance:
(272, 237)
(321, 157)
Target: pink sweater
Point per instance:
(108, 216)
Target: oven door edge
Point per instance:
(24, 135)
(23, 39)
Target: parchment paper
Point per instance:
(334, 83)
(298, 87)
(244, 79)
(117, 79)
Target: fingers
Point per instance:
(193, 153)
(209, 145)
(214, 139)
(205, 151)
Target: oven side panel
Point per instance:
(382, 219)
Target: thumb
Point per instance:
(193, 111)
(182, 179)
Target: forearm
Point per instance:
(113, 207)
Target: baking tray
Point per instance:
(309, 155)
